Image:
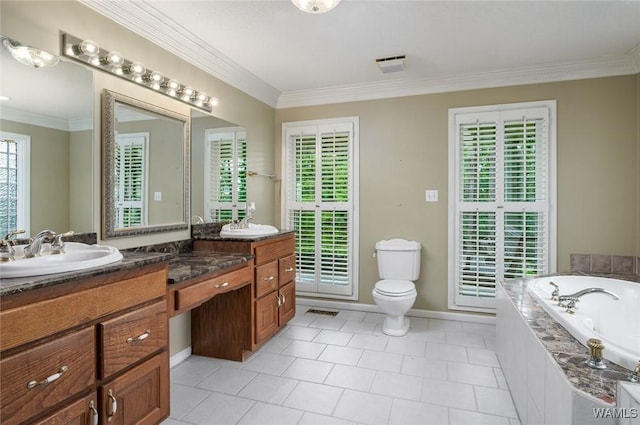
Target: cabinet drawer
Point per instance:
(194, 295)
(266, 278)
(287, 269)
(273, 251)
(131, 337)
(46, 375)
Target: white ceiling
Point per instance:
(286, 57)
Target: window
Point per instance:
(14, 182)
(502, 196)
(320, 204)
(225, 174)
(131, 179)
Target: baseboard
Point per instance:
(179, 357)
(429, 314)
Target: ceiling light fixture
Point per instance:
(28, 55)
(88, 52)
(315, 6)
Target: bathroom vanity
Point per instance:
(273, 274)
(88, 347)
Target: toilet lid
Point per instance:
(395, 288)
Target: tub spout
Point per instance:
(586, 291)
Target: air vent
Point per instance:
(391, 64)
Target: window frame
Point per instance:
(23, 207)
(316, 126)
(487, 305)
(237, 207)
(120, 140)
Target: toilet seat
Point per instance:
(395, 288)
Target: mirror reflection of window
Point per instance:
(131, 159)
(225, 174)
(14, 182)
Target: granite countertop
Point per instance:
(190, 265)
(568, 353)
(130, 260)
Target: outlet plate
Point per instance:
(431, 195)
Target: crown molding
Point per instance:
(635, 54)
(532, 75)
(161, 30)
(41, 120)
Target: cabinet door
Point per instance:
(266, 316)
(82, 412)
(139, 396)
(287, 303)
(43, 376)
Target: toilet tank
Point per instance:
(398, 259)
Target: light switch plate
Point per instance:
(431, 195)
(157, 196)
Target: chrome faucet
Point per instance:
(35, 247)
(7, 252)
(244, 223)
(57, 246)
(569, 301)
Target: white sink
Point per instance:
(253, 231)
(77, 256)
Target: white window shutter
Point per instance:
(320, 163)
(501, 183)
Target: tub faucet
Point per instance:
(35, 246)
(569, 301)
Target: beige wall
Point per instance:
(404, 151)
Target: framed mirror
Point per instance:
(49, 110)
(145, 167)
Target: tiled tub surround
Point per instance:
(544, 365)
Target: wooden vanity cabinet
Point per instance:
(274, 302)
(85, 352)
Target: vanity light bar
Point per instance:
(88, 52)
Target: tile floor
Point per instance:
(343, 370)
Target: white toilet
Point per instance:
(398, 267)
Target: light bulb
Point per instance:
(89, 48)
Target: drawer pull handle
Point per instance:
(48, 379)
(112, 406)
(222, 285)
(140, 337)
(93, 412)
(269, 279)
(289, 269)
(279, 300)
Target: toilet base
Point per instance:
(395, 325)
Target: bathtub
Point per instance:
(615, 322)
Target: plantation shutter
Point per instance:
(130, 180)
(225, 175)
(320, 206)
(502, 205)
